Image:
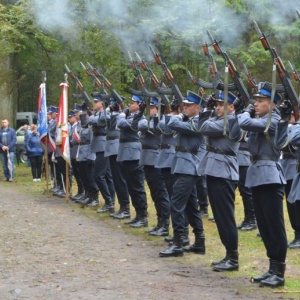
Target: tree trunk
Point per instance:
(7, 107)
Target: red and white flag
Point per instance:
(62, 123)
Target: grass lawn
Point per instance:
(253, 260)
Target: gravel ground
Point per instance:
(51, 250)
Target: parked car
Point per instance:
(20, 146)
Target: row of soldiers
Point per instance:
(207, 148)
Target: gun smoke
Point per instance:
(136, 23)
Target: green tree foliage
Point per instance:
(102, 34)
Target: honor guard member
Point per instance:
(51, 129)
(165, 162)
(244, 160)
(74, 141)
(186, 161)
(151, 139)
(265, 178)
(288, 130)
(129, 155)
(86, 158)
(111, 151)
(221, 169)
(102, 174)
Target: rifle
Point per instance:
(144, 93)
(174, 90)
(251, 81)
(113, 93)
(281, 71)
(239, 85)
(80, 87)
(155, 81)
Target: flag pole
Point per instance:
(67, 164)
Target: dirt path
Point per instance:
(50, 250)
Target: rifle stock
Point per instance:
(174, 87)
(234, 74)
(281, 71)
(83, 95)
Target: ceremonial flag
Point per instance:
(62, 122)
(42, 114)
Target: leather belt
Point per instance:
(242, 148)
(255, 158)
(122, 140)
(220, 151)
(84, 143)
(165, 146)
(144, 147)
(110, 138)
(183, 149)
(287, 155)
(99, 134)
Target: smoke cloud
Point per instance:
(136, 23)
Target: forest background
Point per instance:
(42, 35)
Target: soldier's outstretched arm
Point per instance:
(234, 129)
(281, 134)
(176, 123)
(294, 135)
(258, 125)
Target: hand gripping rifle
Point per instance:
(155, 81)
(113, 93)
(234, 74)
(287, 86)
(83, 95)
(174, 90)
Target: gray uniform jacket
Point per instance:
(284, 132)
(51, 132)
(130, 146)
(168, 143)
(73, 142)
(223, 161)
(243, 155)
(150, 140)
(84, 151)
(112, 132)
(190, 147)
(99, 132)
(261, 170)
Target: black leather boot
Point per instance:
(217, 262)
(123, 213)
(241, 225)
(163, 230)
(141, 222)
(265, 275)
(249, 225)
(198, 246)
(107, 207)
(175, 249)
(185, 238)
(231, 263)
(159, 224)
(277, 278)
(83, 199)
(94, 200)
(295, 243)
(137, 217)
(79, 195)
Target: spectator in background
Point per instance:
(8, 139)
(35, 152)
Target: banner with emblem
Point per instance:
(42, 115)
(62, 123)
